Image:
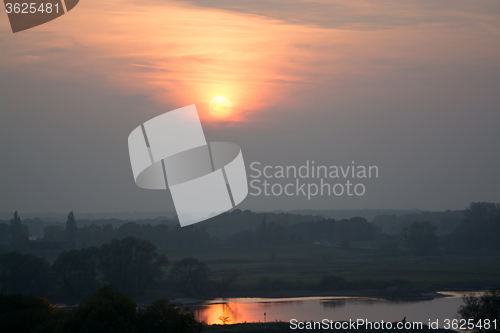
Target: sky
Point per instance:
(410, 87)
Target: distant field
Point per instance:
(308, 263)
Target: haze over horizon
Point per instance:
(138, 215)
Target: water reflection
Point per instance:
(241, 310)
(352, 300)
(335, 303)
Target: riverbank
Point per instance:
(307, 294)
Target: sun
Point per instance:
(220, 107)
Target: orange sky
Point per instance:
(181, 54)
(176, 53)
(391, 83)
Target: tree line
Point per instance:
(479, 229)
(266, 233)
(130, 264)
(104, 311)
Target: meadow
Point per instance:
(302, 267)
(290, 271)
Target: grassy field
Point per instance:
(303, 266)
(309, 263)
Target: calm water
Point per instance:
(241, 310)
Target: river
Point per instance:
(240, 310)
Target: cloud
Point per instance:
(362, 15)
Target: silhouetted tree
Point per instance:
(105, 311)
(24, 273)
(76, 272)
(163, 317)
(110, 311)
(225, 319)
(53, 233)
(481, 227)
(421, 237)
(15, 228)
(480, 308)
(190, 277)
(229, 276)
(4, 233)
(23, 242)
(131, 264)
(71, 228)
(25, 313)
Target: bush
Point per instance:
(480, 308)
(105, 311)
(108, 311)
(161, 316)
(24, 313)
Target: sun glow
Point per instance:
(191, 64)
(180, 54)
(220, 107)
